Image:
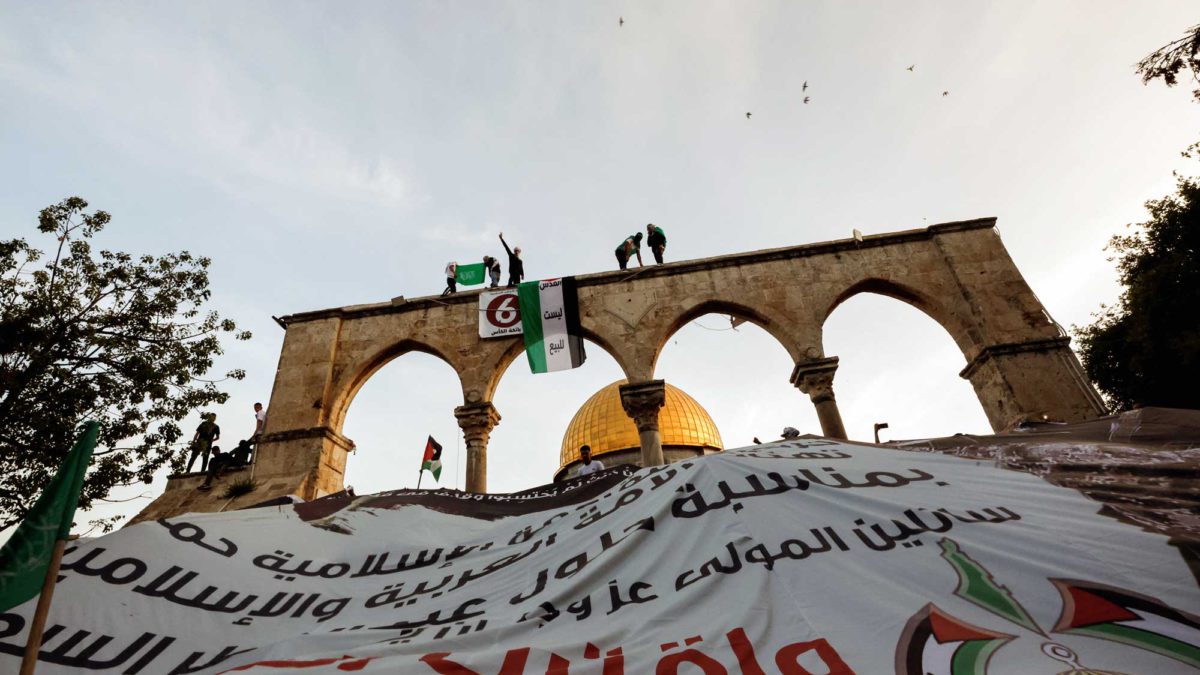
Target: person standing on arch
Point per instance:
(657, 240)
(451, 276)
(631, 246)
(206, 434)
(493, 269)
(516, 266)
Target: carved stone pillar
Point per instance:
(642, 401)
(477, 421)
(815, 378)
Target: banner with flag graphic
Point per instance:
(432, 461)
(550, 321)
(26, 557)
(469, 275)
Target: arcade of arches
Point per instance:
(1018, 359)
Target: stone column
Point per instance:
(1039, 379)
(477, 421)
(642, 401)
(815, 378)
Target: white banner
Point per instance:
(801, 557)
(499, 315)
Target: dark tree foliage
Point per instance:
(104, 335)
(1146, 350)
(1167, 62)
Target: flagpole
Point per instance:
(420, 475)
(34, 643)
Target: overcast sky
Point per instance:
(327, 154)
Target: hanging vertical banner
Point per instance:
(550, 321)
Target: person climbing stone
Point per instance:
(451, 275)
(656, 239)
(631, 246)
(241, 454)
(493, 269)
(206, 434)
(516, 266)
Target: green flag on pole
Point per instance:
(469, 275)
(26, 557)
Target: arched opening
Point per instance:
(738, 373)
(535, 410)
(898, 366)
(400, 404)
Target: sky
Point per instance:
(330, 154)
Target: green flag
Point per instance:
(469, 275)
(25, 559)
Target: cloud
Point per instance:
(182, 104)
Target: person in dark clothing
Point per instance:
(206, 434)
(219, 463)
(516, 266)
(451, 278)
(493, 269)
(631, 246)
(657, 240)
(241, 454)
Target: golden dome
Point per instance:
(603, 424)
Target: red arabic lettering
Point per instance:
(787, 658)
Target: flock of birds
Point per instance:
(804, 88)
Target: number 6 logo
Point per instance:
(502, 311)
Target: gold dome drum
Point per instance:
(685, 426)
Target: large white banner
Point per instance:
(805, 557)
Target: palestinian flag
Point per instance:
(1118, 615)
(469, 275)
(935, 643)
(432, 462)
(550, 320)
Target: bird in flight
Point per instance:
(806, 99)
(910, 68)
(805, 86)
(747, 115)
(620, 21)
(945, 93)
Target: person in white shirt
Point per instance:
(451, 275)
(260, 419)
(589, 465)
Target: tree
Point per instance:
(106, 336)
(1166, 62)
(1146, 349)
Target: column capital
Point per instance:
(642, 401)
(477, 419)
(815, 378)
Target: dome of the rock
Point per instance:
(686, 428)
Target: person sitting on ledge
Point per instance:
(219, 462)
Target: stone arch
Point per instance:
(349, 385)
(959, 274)
(964, 334)
(775, 329)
